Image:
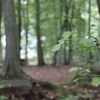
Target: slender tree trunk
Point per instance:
(56, 57)
(98, 4)
(70, 51)
(38, 33)
(0, 32)
(90, 56)
(12, 63)
(25, 25)
(26, 31)
(65, 54)
(89, 19)
(19, 24)
(68, 27)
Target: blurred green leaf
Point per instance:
(96, 81)
(56, 48)
(71, 97)
(74, 69)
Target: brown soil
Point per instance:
(55, 75)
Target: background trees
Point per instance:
(43, 24)
(57, 32)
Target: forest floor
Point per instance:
(59, 76)
(51, 83)
(55, 75)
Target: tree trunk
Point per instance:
(98, 4)
(68, 27)
(12, 62)
(0, 33)
(90, 56)
(56, 56)
(69, 51)
(70, 37)
(19, 23)
(25, 16)
(26, 31)
(38, 33)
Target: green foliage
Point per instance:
(95, 81)
(67, 34)
(79, 96)
(63, 40)
(3, 98)
(56, 48)
(82, 76)
(74, 69)
(85, 96)
(85, 76)
(81, 26)
(71, 97)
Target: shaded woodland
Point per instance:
(42, 39)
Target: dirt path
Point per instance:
(54, 75)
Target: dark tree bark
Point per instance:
(19, 16)
(0, 31)
(38, 33)
(26, 30)
(19, 23)
(90, 55)
(98, 4)
(0, 12)
(69, 28)
(12, 63)
(25, 16)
